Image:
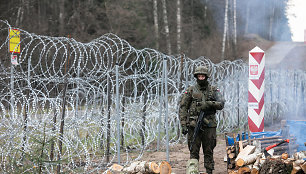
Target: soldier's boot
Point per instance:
(209, 171)
(192, 166)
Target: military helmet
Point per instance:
(201, 70)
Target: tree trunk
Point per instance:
(271, 20)
(20, 13)
(205, 12)
(61, 16)
(191, 35)
(225, 29)
(166, 27)
(156, 24)
(247, 18)
(178, 17)
(234, 31)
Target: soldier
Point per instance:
(206, 98)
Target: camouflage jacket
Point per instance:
(189, 108)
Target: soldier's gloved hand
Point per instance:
(215, 104)
(184, 129)
(204, 105)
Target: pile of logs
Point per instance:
(251, 159)
(140, 167)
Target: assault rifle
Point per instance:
(200, 121)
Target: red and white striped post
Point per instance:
(256, 89)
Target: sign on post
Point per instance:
(256, 90)
(14, 59)
(14, 44)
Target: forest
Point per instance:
(217, 29)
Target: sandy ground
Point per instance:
(179, 155)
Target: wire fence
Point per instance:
(79, 107)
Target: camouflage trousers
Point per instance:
(206, 138)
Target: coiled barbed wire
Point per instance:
(32, 102)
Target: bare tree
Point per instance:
(247, 17)
(232, 35)
(166, 27)
(179, 26)
(225, 29)
(156, 24)
(235, 22)
(205, 11)
(20, 13)
(272, 20)
(61, 16)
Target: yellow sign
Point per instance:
(14, 44)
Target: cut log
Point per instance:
(233, 172)
(274, 141)
(296, 169)
(299, 155)
(254, 171)
(136, 167)
(152, 167)
(116, 167)
(245, 169)
(232, 155)
(289, 161)
(303, 166)
(240, 146)
(298, 162)
(246, 151)
(230, 149)
(131, 168)
(257, 162)
(267, 138)
(271, 141)
(245, 160)
(285, 156)
(296, 166)
(165, 167)
(231, 166)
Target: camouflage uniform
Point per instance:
(207, 98)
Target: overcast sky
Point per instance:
(297, 19)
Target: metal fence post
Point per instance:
(118, 112)
(166, 105)
(160, 109)
(12, 100)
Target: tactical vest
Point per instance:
(194, 111)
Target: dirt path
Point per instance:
(179, 155)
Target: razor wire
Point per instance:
(90, 86)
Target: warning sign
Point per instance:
(14, 59)
(14, 44)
